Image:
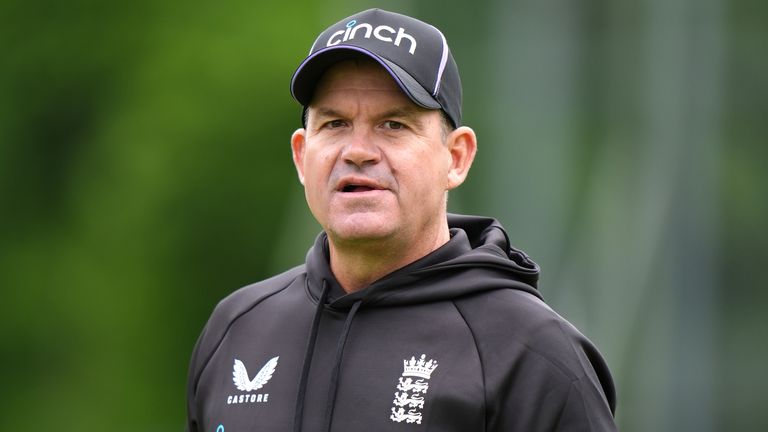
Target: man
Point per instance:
(403, 317)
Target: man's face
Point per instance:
(374, 165)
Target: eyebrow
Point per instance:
(327, 112)
(406, 112)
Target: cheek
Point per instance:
(425, 176)
(316, 163)
(317, 171)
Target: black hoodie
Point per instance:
(459, 340)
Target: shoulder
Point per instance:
(519, 312)
(240, 301)
(229, 309)
(518, 334)
(524, 325)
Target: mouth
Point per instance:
(358, 185)
(356, 188)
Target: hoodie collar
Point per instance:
(478, 247)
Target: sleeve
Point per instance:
(192, 379)
(583, 410)
(532, 395)
(565, 388)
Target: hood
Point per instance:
(477, 258)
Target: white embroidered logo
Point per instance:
(383, 33)
(409, 397)
(244, 383)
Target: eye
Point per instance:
(335, 124)
(393, 125)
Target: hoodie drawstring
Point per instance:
(337, 365)
(299, 411)
(333, 390)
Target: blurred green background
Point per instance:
(145, 173)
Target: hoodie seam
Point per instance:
(480, 358)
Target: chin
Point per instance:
(361, 227)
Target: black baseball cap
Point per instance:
(413, 52)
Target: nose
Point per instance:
(361, 150)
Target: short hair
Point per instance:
(447, 126)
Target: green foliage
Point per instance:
(144, 160)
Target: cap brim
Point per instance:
(311, 70)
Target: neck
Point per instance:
(358, 264)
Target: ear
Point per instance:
(298, 143)
(462, 145)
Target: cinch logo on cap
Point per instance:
(383, 33)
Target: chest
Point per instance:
(403, 369)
